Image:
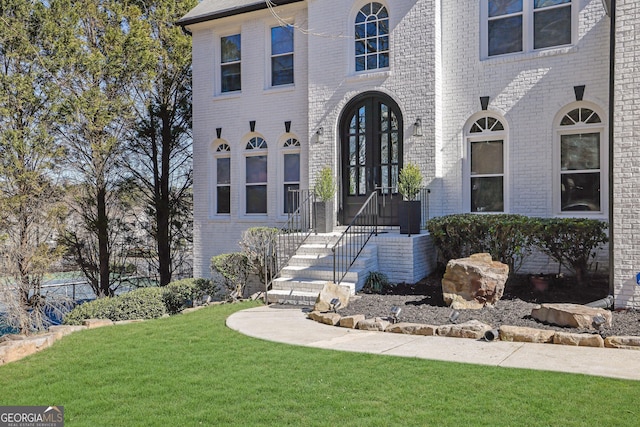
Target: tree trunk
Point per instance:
(102, 232)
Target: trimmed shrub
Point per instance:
(506, 237)
(180, 294)
(234, 269)
(571, 242)
(143, 303)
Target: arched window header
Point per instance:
(223, 148)
(486, 124)
(580, 116)
(256, 143)
(291, 142)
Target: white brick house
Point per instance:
(503, 104)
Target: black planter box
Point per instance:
(409, 216)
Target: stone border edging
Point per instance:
(476, 330)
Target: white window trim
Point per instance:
(602, 128)
(217, 52)
(468, 138)
(253, 153)
(267, 68)
(213, 179)
(286, 150)
(527, 30)
(351, 48)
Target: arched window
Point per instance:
(223, 179)
(581, 160)
(291, 174)
(256, 176)
(372, 37)
(485, 141)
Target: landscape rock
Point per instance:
(60, 331)
(472, 283)
(582, 340)
(329, 292)
(327, 318)
(571, 315)
(625, 342)
(377, 324)
(524, 334)
(412, 329)
(351, 321)
(471, 329)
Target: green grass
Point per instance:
(190, 370)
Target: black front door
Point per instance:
(371, 152)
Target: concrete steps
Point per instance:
(311, 267)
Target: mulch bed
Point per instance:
(423, 303)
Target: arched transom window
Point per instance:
(581, 161)
(486, 140)
(372, 37)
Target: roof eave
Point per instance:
(231, 12)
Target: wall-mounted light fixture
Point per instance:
(579, 92)
(484, 103)
(252, 125)
(319, 134)
(417, 127)
(287, 126)
(218, 132)
(607, 6)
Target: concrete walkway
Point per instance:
(290, 325)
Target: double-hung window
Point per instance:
(511, 26)
(223, 179)
(281, 55)
(582, 159)
(256, 176)
(291, 175)
(486, 150)
(230, 70)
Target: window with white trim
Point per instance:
(281, 55)
(223, 179)
(291, 174)
(581, 161)
(372, 37)
(230, 67)
(256, 176)
(486, 154)
(510, 26)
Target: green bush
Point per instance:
(181, 294)
(325, 186)
(571, 242)
(506, 237)
(234, 269)
(143, 303)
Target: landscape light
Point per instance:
(598, 321)
(335, 304)
(454, 316)
(395, 312)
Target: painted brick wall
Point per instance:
(269, 107)
(528, 90)
(626, 187)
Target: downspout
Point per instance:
(612, 58)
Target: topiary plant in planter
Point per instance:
(409, 185)
(324, 190)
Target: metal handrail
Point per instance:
(291, 235)
(353, 240)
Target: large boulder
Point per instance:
(329, 292)
(472, 283)
(573, 315)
